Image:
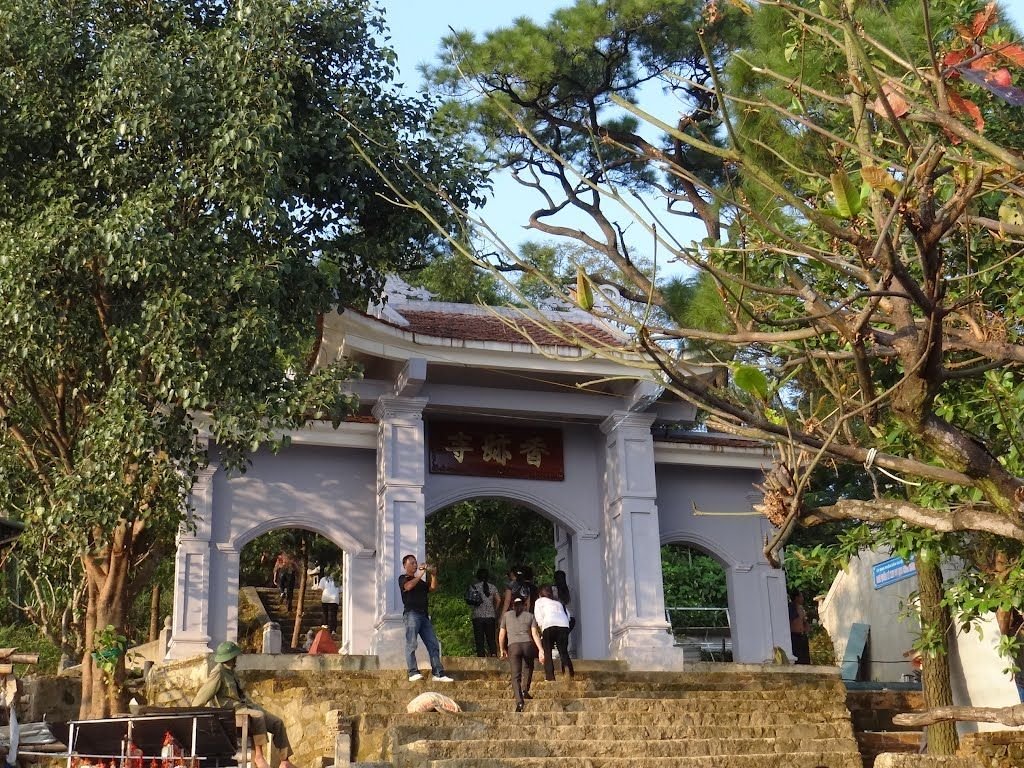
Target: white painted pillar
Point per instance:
(359, 571)
(758, 611)
(401, 516)
(224, 593)
(590, 600)
(190, 630)
(639, 630)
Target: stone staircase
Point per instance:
(312, 617)
(713, 716)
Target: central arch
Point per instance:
(577, 543)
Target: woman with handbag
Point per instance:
(483, 599)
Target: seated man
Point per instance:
(223, 689)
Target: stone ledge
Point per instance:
(905, 760)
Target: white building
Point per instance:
(456, 405)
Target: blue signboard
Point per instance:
(892, 570)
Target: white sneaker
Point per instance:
(413, 678)
(443, 679)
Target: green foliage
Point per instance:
(110, 649)
(451, 617)
(28, 639)
(449, 277)
(181, 199)
(692, 578)
(490, 533)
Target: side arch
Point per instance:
(239, 536)
(711, 546)
(756, 598)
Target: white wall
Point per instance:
(976, 669)
(853, 599)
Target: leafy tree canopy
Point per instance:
(180, 200)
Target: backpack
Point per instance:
(473, 597)
(519, 589)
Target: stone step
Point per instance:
(593, 704)
(474, 728)
(804, 760)
(374, 735)
(563, 688)
(498, 719)
(417, 753)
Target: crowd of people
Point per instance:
(521, 622)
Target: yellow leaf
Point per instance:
(1012, 212)
(879, 178)
(584, 294)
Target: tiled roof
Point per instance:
(511, 329)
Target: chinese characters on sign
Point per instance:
(459, 448)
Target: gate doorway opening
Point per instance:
(491, 533)
(283, 569)
(697, 602)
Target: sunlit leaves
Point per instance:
(179, 201)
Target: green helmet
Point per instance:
(226, 651)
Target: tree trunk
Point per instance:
(106, 605)
(154, 614)
(942, 737)
(300, 609)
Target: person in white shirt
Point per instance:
(554, 631)
(330, 596)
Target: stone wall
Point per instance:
(54, 698)
(289, 686)
(995, 749)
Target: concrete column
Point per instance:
(639, 630)
(190, 630)
(225, 561)
(401, 516)
(590, 601)
(359, 572)
(758, 612)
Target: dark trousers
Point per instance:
(801, 647)
(556, 637)
(330, 616)
(521, 655)
(265, 723)
(484, 635)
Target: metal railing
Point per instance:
(706, 631)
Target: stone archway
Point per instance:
(299, 489)
(756, 597)
(577, 551)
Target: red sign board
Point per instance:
(528, 453)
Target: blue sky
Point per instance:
(417, 27)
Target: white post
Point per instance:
(401, 516)
(190, 631)
(639, 631)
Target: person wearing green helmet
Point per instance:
(223, 689)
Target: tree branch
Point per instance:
(942, 520)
